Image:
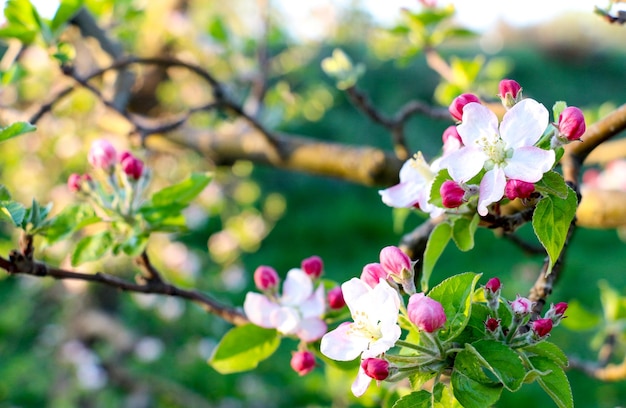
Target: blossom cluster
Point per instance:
(483, 160)
(117, 181)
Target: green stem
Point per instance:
(424, 350)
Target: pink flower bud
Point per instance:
(518, 189)
(510, 87)
(452, 194)
(492, 324)
(102, 154)
(265, 278)
(457, 105)
(124, 155)
(335, 298)
(74, 182)
(521, 306)
(313, 266)
(493, 285)
(451, 140)
(542, 327)
(373, 273)
(394, 261)
(376, 368)
(560, 308)
(132, 167)
(426, 313)
(572, 123)
(302, 362)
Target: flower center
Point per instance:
(363, 327)
(421, 166)
(494, 148)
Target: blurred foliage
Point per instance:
(72, 344)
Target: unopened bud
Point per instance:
(335, 298)
(521, 306)
(313, 266)
(556, 312)
(571, 123)
(132, 167)
(510, 92)
(451, 140)
(376, 368)
(452, 194)
(74, 182)
(518, 189)
(457, 105)
(373, 273)
(399, 267)
(493, 285)
(102, 154)
(426, 313)
(303, 362)
(542, 327)
(492, 324)
(265, 278)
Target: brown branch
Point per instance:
(19, 264)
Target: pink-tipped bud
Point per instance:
(457, 105)
(426, 313)
(124, 155)
(452, 194)
(521, 306)
(492, 324)
(132, 167)
(335, 298)
(394, 261)
(376, 368)
(74, 182)
(572, 123)
(302, 362)
(518, 189)
(560, 308)
(373, 273)
(510, 92)
(542, 327)
(313, 266)
(493, 285)
(556, 312)
(451, 140)
(265, 278)
(102, 154)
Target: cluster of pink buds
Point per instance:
(395, 267)
(117, 182)
(522, 331)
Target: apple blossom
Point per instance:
(266, 278)
(426, 313)
(521, 306)
(416, 178)
(302, 362)
(504, 151)
(297, 312)
(458, 104)
(374, 329)
(451, 140)
(372, 274)
(102, 154)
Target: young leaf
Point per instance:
(67, 9)
(501, 360)
(552, 183)
(471, 386)
(549, 350)
(13, 212)
(71, 219)
(555, 382)
(551, 221)
(243, 348)
(454, 294)
(463, 232)
(15, 129)
(182, 193)
(92, 247)
(4, 193)
(437, 242)
(416, 399)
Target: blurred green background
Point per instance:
(66, 345)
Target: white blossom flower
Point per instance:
(297, 312)
(374, 329)
(504, 152)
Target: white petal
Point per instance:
(529, 164)
(478, 122)
(297, 287)
(524, 123)
(311, 329)
(258, 309)
(491, 189)
(402, 195)
(391, 333)
(361, 383)
(465, 163)
(286, 320)
(340, 346)
(352, 290)
(315, 305)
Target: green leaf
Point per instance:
(184, 192)
(164, 218)
(552, 183)
(243, 347)
(454, 294)
(5, 195)
(67, 9)
(579, 318)
(435, 189)
(501, 361)
(463, 232)
(471, 386)
(71, 219)
(340, 68)
(416, 399)
(135, 245)
(437, 241)
(551, 221)
(12, 212)
(548, 350)
(613, 304)
(555, 382)
(92, 248)
(218, 30)
(557, 108)
(15, 129)
(22, 19)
